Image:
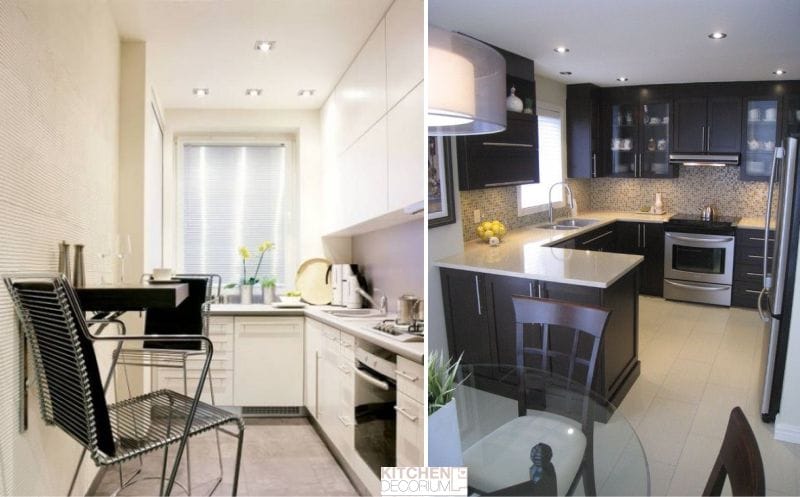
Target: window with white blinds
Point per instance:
(533, 198)
(234, 195)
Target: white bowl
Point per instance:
(293, 300)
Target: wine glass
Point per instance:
(122, 249)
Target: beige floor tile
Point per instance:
(664, 429)
(638, 400)
(686, 381)
(694, 465)
(701, 346)
(660, 477)
(715, 407)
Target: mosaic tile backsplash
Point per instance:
(695, 187)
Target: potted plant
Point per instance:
(268, 289)
(247, 283)
(444, 440)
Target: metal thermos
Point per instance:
(78, 270)
(63, 259)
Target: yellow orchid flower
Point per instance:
(267, 245)
(244, 252)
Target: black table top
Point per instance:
(132, 296)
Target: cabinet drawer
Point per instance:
(172, 379)
(410, 378)
(742, 296)
(753, 256)
(752, 238)
(749, 273)
(410, 431)
(347, 347)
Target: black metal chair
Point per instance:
(72, 396)
(567, 425)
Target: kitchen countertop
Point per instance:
(753, 223)
(358, 327)
(526, 253)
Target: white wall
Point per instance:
(302, 125)
(59, 82)
(787, 423)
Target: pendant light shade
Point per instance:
(466, 85)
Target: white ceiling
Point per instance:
(649, 41)
(209, 43)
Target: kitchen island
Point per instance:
(477, 286)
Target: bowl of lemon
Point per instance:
(491, 229)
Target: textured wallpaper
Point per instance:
(693, 188)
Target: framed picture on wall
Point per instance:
(441, 203)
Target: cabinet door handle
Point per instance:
(758, 257)
(759, 239)
(343, 369)
(594, 165)
(405, 375)
(402, 411)
(344, 421)
(708, 139)
(508, 183)
(587, 242)
(644, 236)
(759, 275)
(540, 289)
(757, 292)
(638, 236)
(478, 296)
(702, 138)
(530, 288)
(502, 144)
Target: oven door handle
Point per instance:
(705, 286)
(372, 380)
(714, 239)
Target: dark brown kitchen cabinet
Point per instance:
(465, 309)
(748, 266)
(584, 157)
(618, 364)
(707, 125)
(510, 157)
(638, 139)
(602, 239)
(645, 239)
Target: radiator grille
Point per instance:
(279, 411)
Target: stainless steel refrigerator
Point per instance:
(775, 300)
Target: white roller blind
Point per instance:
(234, 195)
(550, 161)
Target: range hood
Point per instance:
(706, 160)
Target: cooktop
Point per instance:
(694, 222)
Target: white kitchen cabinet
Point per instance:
(311, 352)
(406, 151)
(220, 331)
(410, 431)
(410, 379)
(328, 384)
(405, 45)
(363, 169)
(362, 89)
(269, 361)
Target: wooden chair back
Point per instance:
(739, 459)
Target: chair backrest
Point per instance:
(739, 459)
(577, 331)
(70, 390)
(186, 319)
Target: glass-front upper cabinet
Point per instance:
(761, 138)
(654, 155)
(624, 144)
(791, 115)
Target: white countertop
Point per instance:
(358, 327)
(753, 223)
(526, 253)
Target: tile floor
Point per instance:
(279, 457)
(698, 362)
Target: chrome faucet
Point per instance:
(382, 304)
(570, 198)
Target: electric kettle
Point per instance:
(707, 213)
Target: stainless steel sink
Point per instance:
(556, 226)
(354, 313)
(577, 223)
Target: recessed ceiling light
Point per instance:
(561, 50)
(200, 92)
(566, 73)
(622, 78)
(717, 35)
(306, 92)
(264, 46)
(779, 72)
(253, 92)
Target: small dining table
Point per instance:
(504, 459)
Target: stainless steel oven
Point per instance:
(375, 400)
(698, 267)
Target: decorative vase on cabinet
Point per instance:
(513, 102)
(245, 294)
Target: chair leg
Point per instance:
(235, 489)
(188, 452)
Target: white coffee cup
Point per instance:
(754, 115)
(771, 114)
(626, 144)
(162, 273)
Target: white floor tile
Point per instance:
(694, 465)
